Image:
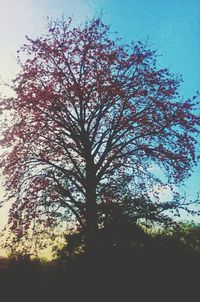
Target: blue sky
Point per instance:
(171, 26)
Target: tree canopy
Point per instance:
(90, 111)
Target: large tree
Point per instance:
(89, 111)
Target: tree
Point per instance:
(87, 112)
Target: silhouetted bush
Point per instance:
(130, 263)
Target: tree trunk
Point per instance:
(91, 208)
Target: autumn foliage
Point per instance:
(90, 111)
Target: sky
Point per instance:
(172, 27)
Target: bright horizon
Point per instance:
(172, 27)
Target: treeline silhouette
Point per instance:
(128, 263)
